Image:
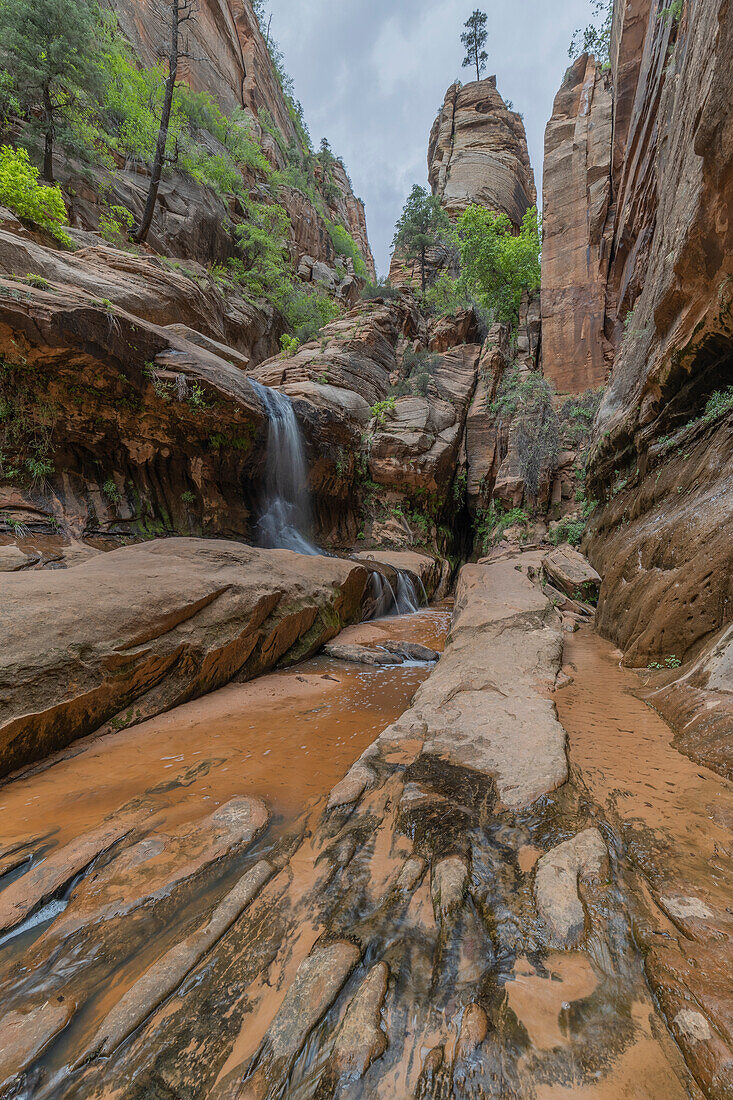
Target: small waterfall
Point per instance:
(407, 598)
(405, 601)
(286, 516)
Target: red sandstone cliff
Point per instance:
(575, 232)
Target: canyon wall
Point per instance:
(230, 60)
(575, 235)
(647, 287)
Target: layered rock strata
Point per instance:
(576, 246)
(169, 621)
(661, 459)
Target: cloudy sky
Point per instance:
(371, 75)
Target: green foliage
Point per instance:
(345, 245)
(446, 295)
(418, 369)
(45, 51)
(382, 288)
(719, 403)
(474, 39)
(492, 522)
(22, 193)
(567, 530)
(115, 223)
(497, 267)
(423, 225)
(188, 498)
(536, 433)
(38, 282)
(289, 344)
(382, 409)
(596, 37)
(26, 424)
(111, 492)
(672, 13)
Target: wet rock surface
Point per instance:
(397, 941)
(170, 620)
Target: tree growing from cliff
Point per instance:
(497, 264)
(474, 39)
(422, 226)
(46, 51)
(174, 15)
(596, 37)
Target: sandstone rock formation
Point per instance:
(576, 247)
(421, 872)
(478, 153)
(229, 60)
(169, 620)
(661, 464)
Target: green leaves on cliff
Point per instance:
(497, 265)
(422, 227)
(22, 193)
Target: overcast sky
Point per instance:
(371, 75)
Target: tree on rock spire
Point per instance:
(474, 39)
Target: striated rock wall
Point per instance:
(575, 243)
(659, 464)
(478, 153)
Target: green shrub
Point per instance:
(345, 245)
(568, 530)
(382, 409)
(115, 222)
(382, 288)
(492, 522)
(718, 404)
(418, 369)
(498, 265)
(21, 192)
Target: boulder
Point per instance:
(170, 620)
(572, 573)
(582, 858)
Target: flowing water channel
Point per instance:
(285, 738)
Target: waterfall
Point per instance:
(407, 598)
(285, 518)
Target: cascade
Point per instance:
(286, 515)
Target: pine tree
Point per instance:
(46, 49)
(474, 39)
(174, 15)
(423, 225)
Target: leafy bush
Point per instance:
(567, 530)
(115, 223)
(446, 295)
(21, 192)
(596, 38)
(382, 288)
(537, 433)
(382, 409)
(418, 369)
(719, 403)
(345, 245)
(497, 266)
(492, 522)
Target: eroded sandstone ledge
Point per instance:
(141, 629)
